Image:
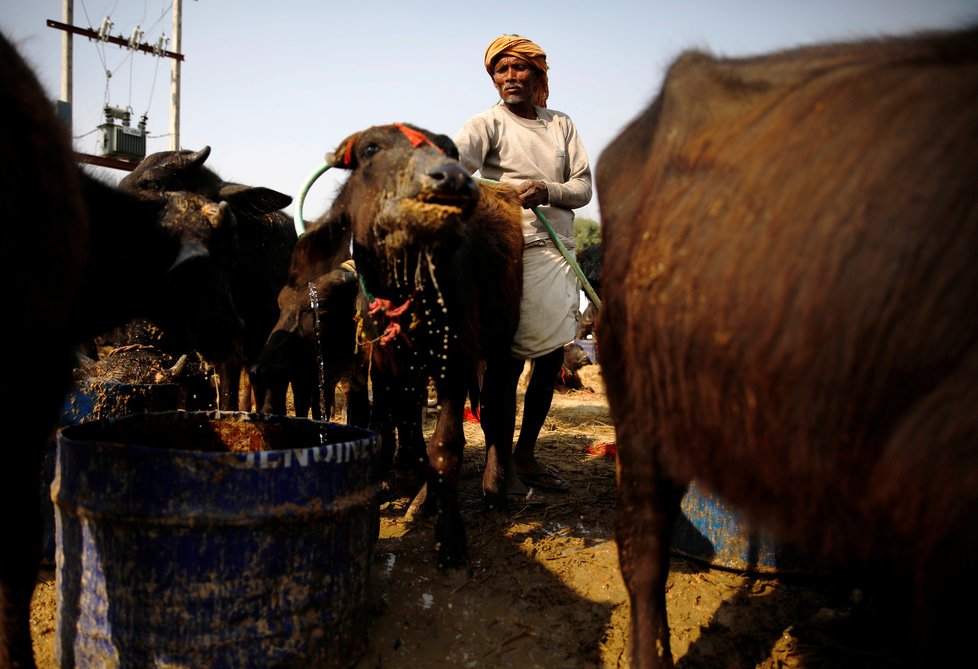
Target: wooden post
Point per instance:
(67, 61)
(175, 78)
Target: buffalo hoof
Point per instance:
(410, 470)
(494, 502)
(452, 559)
(451, 544)
(512, 501)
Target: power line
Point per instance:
(120, 144)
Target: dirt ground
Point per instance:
(544, 590)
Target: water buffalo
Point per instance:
(575, 359)
(266, 238)
(439, 258)
(589, 261)
(79, 258)
(315, 335)
(791, 317)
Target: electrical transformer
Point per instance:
(122, 141)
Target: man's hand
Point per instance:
(532, 194)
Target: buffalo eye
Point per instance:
(369, 150)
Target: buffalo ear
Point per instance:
(344, 155)
(331, 159)
(254, 200)
(445, 143)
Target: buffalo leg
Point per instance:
(20, 554)
(648, 506)
(303, 391)
(497, 415)
(411, 460)
(357, 396)
(382, 419)
(227, 399)
(397, 410)
(445, 450)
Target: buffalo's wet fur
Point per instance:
(133, 364)
(439, 256)
(790, 301)
(82, 257)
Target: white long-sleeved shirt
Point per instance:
(505, 147)
(502, 146)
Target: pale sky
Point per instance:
(273, 86)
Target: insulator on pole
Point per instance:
(103, 31)
(135, 38)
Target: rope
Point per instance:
(363, 288)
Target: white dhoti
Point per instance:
(550, 309)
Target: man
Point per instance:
(521, 141)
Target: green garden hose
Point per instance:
(300, 225)
(571, 260)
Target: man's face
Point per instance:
(515, 79)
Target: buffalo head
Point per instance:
(407, 187)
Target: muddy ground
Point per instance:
(543, 588)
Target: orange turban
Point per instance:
(524, 49)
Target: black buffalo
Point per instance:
(266, 238)
(79, 258)
(589, 261)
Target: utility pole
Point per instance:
(175, 77)
(67, 65)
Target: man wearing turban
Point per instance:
(521, 141)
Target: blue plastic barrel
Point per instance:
(712, 531)
(213, 539)
(91, 400)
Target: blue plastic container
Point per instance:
(213, 539)
(91, 400)
(710, 530)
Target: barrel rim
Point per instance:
(346, 434)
